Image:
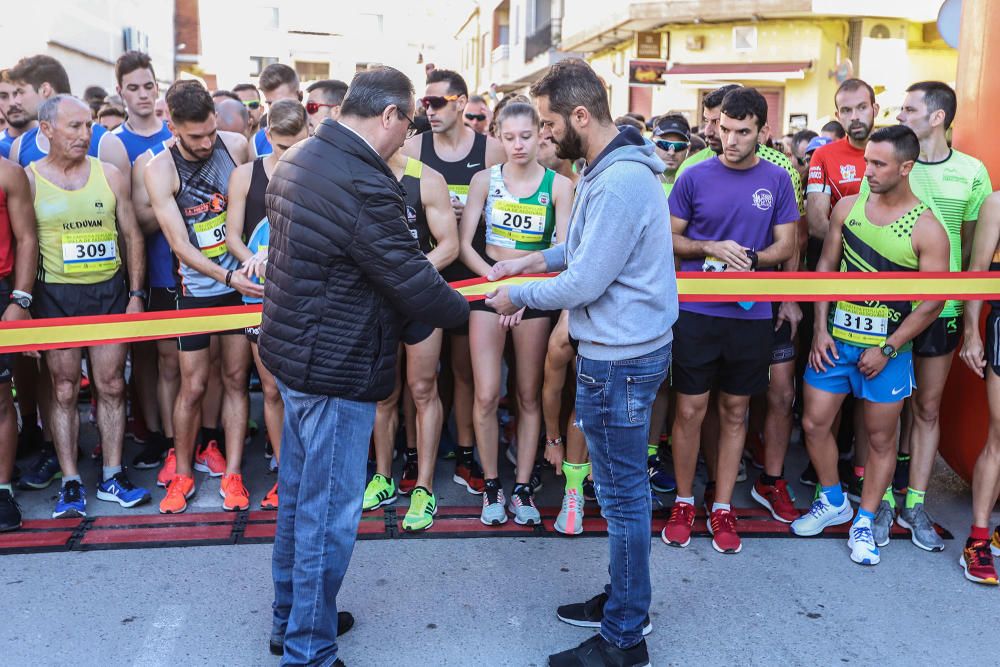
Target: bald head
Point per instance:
(232, 116)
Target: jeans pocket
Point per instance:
(640, 390)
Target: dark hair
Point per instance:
(130, 61)
(287, 118)
(334, 91)
(714, 99)
(938, 96)
(638, 116)
(835, 127)
(372, 91)
(852, 85)
(188, 101)
(456, 84)
(504, 101)
(36, 70)
(240, 87)
(572, 83)
(743, 102)
(629, 121)
(904, 141)
(277, 74)
(697, 144)
(225, 93)
(479, 99)
(518, 109)
(803, 135)
(110, 110)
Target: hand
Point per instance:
(790, 312)
(254, 267)
(499, 300)
(135, 306)
(507, 268)
(973, 353)
(555, 454)
(872, 362)
(823, 353)
(458, 207)
(14, 313)
(245, 286)
(508, 322)
(730, 252)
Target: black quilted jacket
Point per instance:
(343, 271)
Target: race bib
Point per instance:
(211, 235)
(459, 192)
(524, 223)
(85, 252)
(865, 326)
(264, 248)
(714, 264)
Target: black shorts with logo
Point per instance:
(202, 341)
(161, 299)
(940, 338)
(731, 354)
(783, 349)
(6, 360)
(992, 350)
(60, 300)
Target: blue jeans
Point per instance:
(321, 482)
(613, 402)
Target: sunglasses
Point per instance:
(313, 107)
(412, 129)
(677, 146)
(253, 105)
(436, 101)
(475, 116)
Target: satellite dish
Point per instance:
(949, 22)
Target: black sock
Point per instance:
(464, 454)
(493, 483)
(768, 480)
(410, 453)
(168, 443)
(210, 434)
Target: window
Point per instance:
(312, 71)
(258, 63)
(745, 38)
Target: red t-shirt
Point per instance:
(6, 239)
(836, 170)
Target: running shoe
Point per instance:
(423, 507)
(151, 454)
(821, 515)
(977, 562)
(808, 476)
(494, 505)
(268, 448)
(753, 449)
(570, 519)
(118, 489)
(180, 489)
(861, 542)
(741, 474)
(10, 512)
(235, 497)
(381, 491)
(853, 487)
(30, 441)
(41, 473)
(169, 469)
(708, 497)
(677, 532)
(270, 501)
(345, 621)
(659, 479)
(512, 452)
(71, 502)
(522, 506)
(590, 613)
(535, 481)
(598, 651)
(469, 475)
(409, 480)
(883, 523)
(722, 526)
(775, 499)
(921, 527)
(210, 460)
(995, 542)
(901, 478)
(589, 491)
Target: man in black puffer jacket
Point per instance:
(343, 276)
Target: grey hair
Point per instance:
(49, 109)
(228, 109)
(372, 91)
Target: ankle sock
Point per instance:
(464, 454)
(902, 458)
(864, 514)
(977, 532)
(834, 495)
(410, 454)
(71, 478)
(768, 480)
(859, 471)
(110, 471)
(889, 498)
(914, 498)
(681, 499)
(575, 474)
(722, 506)
(9, 488)
(652, 449)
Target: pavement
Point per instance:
(491, 601)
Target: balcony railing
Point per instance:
(501, 53)
(538, 42)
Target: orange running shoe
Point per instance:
(181, 488)
(210, 460)
(235, 495)
(169, 469)
(270, 501)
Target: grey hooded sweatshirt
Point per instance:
(617, 263)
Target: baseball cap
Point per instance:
(672, 124)
(817, 142)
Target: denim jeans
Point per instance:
(613, 403)
(321, 482)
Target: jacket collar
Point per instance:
(334, 133)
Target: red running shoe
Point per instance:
(409, 479)
(470, 475)
(977, 562)
(754, 448)
(169, 469)
(210, 460)
(677, 532)
(776, 500)
(722, 526)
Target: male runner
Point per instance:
(478, 115)
(278, 82)
(17, 122)
(18, 260)
(83, 210)
(36, 79)
(977, 557)
(864, 347)
(725, 344)
(187, 187)
(232, 116)
(954, 186)
(325, 98)
(672, 138)
(456, 152)
(250, 96)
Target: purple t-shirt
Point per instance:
(741, 205)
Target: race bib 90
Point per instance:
(524, 223)
(459, 192)
(85, 252)
(865, 326)
(211, 235)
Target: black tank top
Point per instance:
(416, 219)
(458, 175)
(995, 266)
(255, 211)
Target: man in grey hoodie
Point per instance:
(617, 281)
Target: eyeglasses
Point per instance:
(253, 105)
(313, 107)
(412, 129)
(475, 116)
(436, 101)
(677, 146)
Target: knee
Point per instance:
(689, 413)
(192, 391)
(234, 381)
(927, 410)
(779, 400)
(732, 415)
(271, 394)
(111, 389)
(423, 390)
(65, 391)
(882, 441)
(486, 402)
(528, 401)
(168, 369)
(814, 426)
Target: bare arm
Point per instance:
(239, 186)
(412, 147)
(782, 250)
(984, 246)
(472, 213)
(730, 252)
(562, 193)
(238, 147)
(112, 151)
(128, 228)
(440, 218)
(21, 212)
(494, 152)
(818, 214)
(140, 198)
(829, 259)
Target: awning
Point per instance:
(738, 71)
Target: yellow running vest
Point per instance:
(77, 230)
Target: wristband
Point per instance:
(229, 278)
(141, 293)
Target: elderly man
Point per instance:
(344, 275)
(232, 116)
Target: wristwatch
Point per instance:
(21, 298)
(141, 293)
(752, 256)
(888, 351)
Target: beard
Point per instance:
(859, 131)
(571, 146)
(198, 154)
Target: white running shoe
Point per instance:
(864, 551)
(570, 519)
(820, 515)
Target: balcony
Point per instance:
(501, 53)
(538, 42)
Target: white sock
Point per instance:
(689, 501)
(722, 506)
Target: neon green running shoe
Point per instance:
(423, 507)
(379, 492)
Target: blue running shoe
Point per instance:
(41, 473)
(659, 479)
(72, 501)
(118, 489)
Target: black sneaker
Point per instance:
(853, 487)
(588, 489)
(535, 481)
(589, 614)
(901, 478)
(152, 453)
(10, 512)
(29, 441)
(345, 621)
(808, 476)
(597, 652)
